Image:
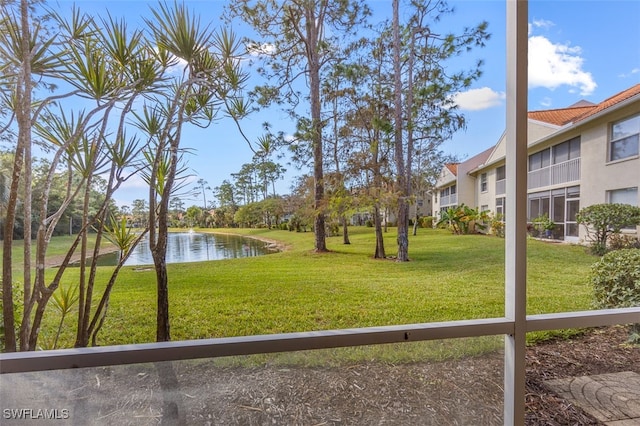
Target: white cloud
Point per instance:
(554, 65)
(546, 102)
(178, 67)
(542, 23)
(630, 73)
(256, 49)
(134, 182)
(478, 99)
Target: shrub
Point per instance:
(497, 225)
(426, 222)
(543, 225)
(603, 220)
(616, 282)
(621, 241)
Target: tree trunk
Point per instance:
(316, 124)
(377, 220)
(7, 260)
(403, 206)
(163, 332)
(403, 231)
(345, 230)
(23, 115)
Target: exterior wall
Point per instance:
(537, 130)
(466, 186)
(446, 179)
(598, 175)
(488, 198)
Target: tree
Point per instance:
(139, 211)
(366, 133)
(193, 215)
(84, 57)
(428, 112)
(603, 220)
(296, 41)
(212, 82)
(203, 187)
(16, 54)
(401, 178)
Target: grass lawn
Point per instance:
(58, 247)
(449, 278)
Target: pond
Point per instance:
(195, 247)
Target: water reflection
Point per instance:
(195, 247)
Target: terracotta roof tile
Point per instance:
(580, 110)
(453, 168)
(615, 99)
(560, 117)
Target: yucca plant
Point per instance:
(64, 300)
(119, 234)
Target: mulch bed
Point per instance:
(598, 351)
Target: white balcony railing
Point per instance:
(449, 200)
(565, 172)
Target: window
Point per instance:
(565, 151)
(484, 208)
(483, 182)
(624, 196)
(501, 207)
(625, 137)
(574, 148)
(453, 189)
(501, 173)
(573, 192)
(561, 153)
(540, 159)
(539, 204)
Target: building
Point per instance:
(581, 155)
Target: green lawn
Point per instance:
(58, 246)
(449, 278)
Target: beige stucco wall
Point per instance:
(466, 187)
(597, 175)
(537, 130)
(488, 198)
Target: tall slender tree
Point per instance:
(299, 38)
(428, 115)
(212, 82)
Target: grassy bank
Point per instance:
(449, 278)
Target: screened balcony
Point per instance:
(565, 172)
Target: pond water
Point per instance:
(195, 247)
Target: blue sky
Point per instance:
(577, 49)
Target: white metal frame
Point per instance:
(513, 326)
